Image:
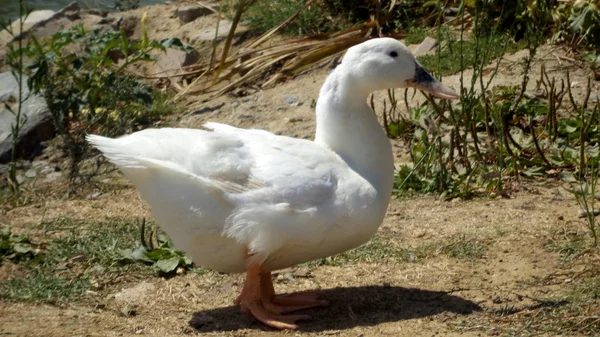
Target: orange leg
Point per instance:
(289, 302)
(259, 300)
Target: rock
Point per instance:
(72, 15)
(94, 195)
(52, 177)
(31, 173)
(290, 99)
(96, 12)
(247, 116)
(190, 13)
(134, 295)
(127, 23)
(452, 11)
(39, 163)
(47, 170)
(20, 179)
(39, 16)
(426, 47)
(170, 63)
(209, 34)
(39, 19)
(37, 125)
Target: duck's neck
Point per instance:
(347, 125)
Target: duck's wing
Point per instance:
(257, 188)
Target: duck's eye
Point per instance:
(393, 54)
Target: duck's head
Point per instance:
(385, 63)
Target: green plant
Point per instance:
(416, 35)
(77, 256)
(83, 77)
(157, 250)
(264, 15)
(13, 247)
(584, 23)
(14, 58)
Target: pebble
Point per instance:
(52, 177)
(31, 173)
(290, 99)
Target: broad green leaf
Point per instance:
(159, 254)
(568, 177)
(5, 232)
(23, 248)
(570, 129)
(534, 171)
(168, 265)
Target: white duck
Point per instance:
(240, 200)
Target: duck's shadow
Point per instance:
(350, 307)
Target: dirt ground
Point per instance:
(502, 292)
(437, 296)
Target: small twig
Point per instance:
(585, 214)
(537, 144)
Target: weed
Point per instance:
(43, 287)
(14, 58)
(448, 60)
(416, 35)
(90, 91)
(383, 249)
(77, 256)
(465, 249)
(14, 247)
(264, 15)
(157, 251)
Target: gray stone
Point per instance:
(290, 99)
(190, 13)
(173, 60)
(31, 173)
(20, 179)
(47, 170)
(39, 21)
(209, 34)
(134, 295)
(37, 125)
(126, 23)
(94, 195)
(52, 177)
(247, 116)
(595, 98)
(39, 16)
(97, 12)
(426, 47)
(39, 163)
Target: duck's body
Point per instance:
(247, 200)
(222, 194)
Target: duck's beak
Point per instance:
(424, 81)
